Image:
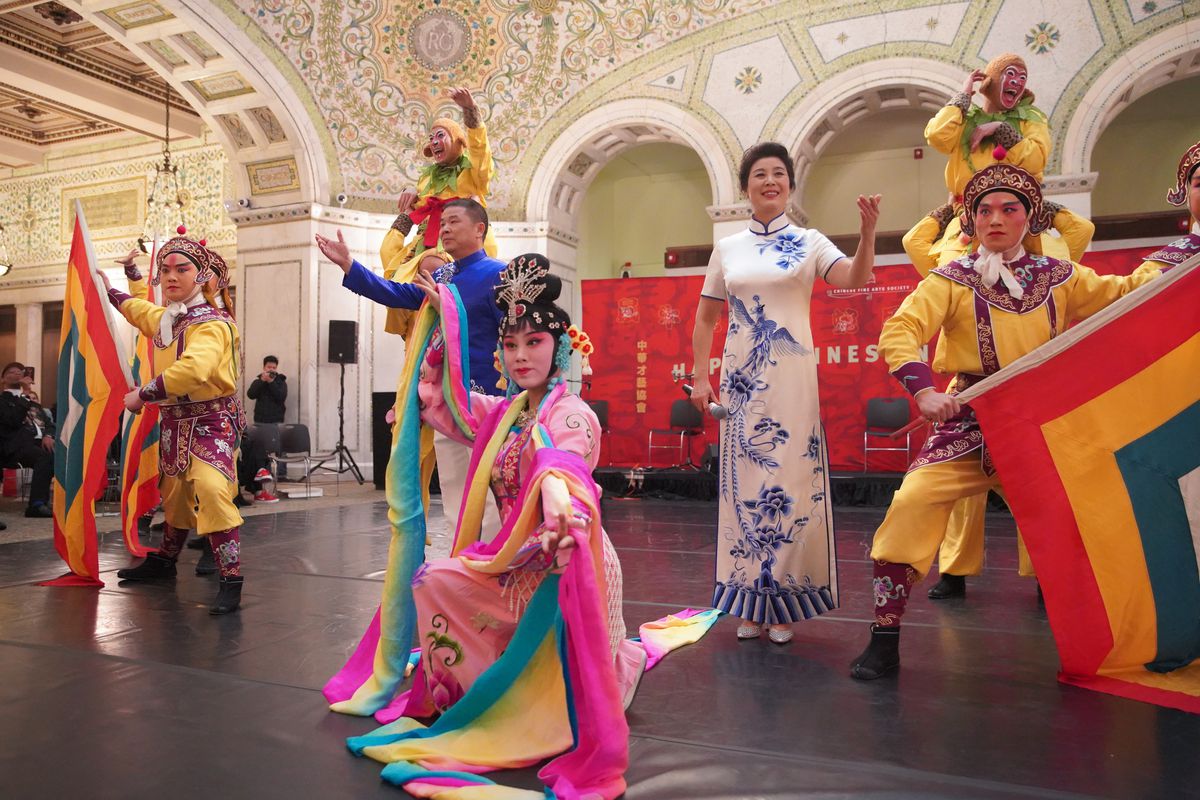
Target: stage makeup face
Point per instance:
(768, 188)
(1000, 221)
(528, 356)
(178, 278)
(441, 144)
(1012, 86)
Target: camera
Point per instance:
(243, 202)
(341, 198)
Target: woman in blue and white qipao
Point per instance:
(775, 553)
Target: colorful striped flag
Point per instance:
(1096, 437)
(139, 450)
(93, 377)
(139, 461)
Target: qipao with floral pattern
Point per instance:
(775, 552)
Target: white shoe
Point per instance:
(749, 630)
(780, 635)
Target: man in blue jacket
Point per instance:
(475, 274)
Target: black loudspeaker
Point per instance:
(343, 341)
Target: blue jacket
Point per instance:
(475, 277)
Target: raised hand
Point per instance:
(462, 97)
(128, 259)
(975, 77)
(406, 201)
(868, 213)
(337, 252)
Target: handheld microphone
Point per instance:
(716, 410)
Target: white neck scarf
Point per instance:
(993, 267)
(174, 312)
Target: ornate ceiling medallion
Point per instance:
(439, 39)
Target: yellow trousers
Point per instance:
(201, 498)
(961, 552)
(918, 517)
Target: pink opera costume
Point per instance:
(522, 653)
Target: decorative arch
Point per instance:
(893, 83)
(578, 154)
(1166, 57)
(237, 89)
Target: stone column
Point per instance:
(286, 295)
(29, 336)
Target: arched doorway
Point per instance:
(882, 152)
(1139, 149)
(1169, 56)
(899, 92)
(648, 198)
(97, 73)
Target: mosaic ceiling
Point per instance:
(379, 70)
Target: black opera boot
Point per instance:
(207, 565)
(881, 656)
(154, 568)
(949, 586)
(197, 543)
(229, 596)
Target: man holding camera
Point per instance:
(27, 436)
(269, 393)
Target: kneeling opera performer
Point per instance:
(522, 643)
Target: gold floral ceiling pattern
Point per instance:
(380, 70)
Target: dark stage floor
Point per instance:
(136, 692)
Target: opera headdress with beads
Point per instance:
(527, 292)
(527, 295)
(1005, 178)
(208, 263)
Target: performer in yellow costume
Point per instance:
(990, 307)
(1007, 129)
(462, 167)
(195, 360)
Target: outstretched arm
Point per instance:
(362, 281)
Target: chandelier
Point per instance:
(6, 263)
(167, 198)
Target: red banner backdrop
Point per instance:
(642, 329)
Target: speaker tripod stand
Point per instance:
(345, 461)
